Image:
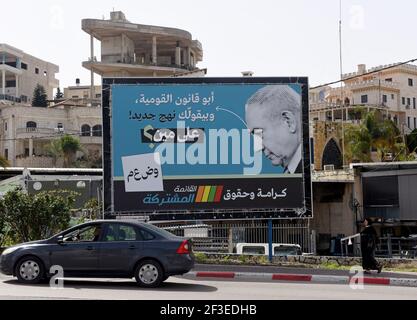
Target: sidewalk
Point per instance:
(279, 274)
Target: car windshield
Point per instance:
(286, 251)
(253, 250)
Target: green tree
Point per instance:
(358, 143)
(3, 231)
(54, 150)
(93, 208)
(34, 217)
(70, 145)
(373, 134)
(39, 97)
(65, 147)
(4, 162)
(59, 94)
(412, 141)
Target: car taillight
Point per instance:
(185, 248)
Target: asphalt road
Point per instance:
(184, 289)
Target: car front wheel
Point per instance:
(149, 274)
(30, 270)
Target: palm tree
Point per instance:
(66, 147)
(54, 149)
(70, 145)
(358, 143)
(374, 133)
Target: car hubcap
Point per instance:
(148, 273)
(29, 270)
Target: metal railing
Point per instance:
(10, 98)
(223, 237)
(387, 247)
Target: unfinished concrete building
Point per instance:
(135, 50)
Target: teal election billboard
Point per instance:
(187, 148)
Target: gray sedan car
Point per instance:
(108, 248)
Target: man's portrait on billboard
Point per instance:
(275, 110)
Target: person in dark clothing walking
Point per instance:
(368, 246)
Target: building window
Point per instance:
(75, 97)
(384, 98)
(6, 154)
(364, 99)
(408, 101)
(60, 127)
(24, 98)
(388, 80)
(403, 100)
(415, 123)
(11, 84)
(410, 82)
(85, 130)
(98, 96)
(414, 103)
(24, 66)
(26, 152)
(37, 70)
(31, 126)
(5, 126)
(408, 122)
(392, 96)
(45, 73)
(97, 132)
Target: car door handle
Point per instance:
(132, 247)
(90, 248)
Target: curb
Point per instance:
(284, 277)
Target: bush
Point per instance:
(35, 217)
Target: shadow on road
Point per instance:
(121, 285)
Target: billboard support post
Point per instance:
(270, 239)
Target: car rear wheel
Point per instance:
(149, 274)
(30, 270)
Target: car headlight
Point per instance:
(10, 250)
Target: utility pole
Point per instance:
(341, 84)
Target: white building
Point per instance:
(21, 72)
(390, 88)
(26, 131)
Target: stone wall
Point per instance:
(307, 260)
(322, 132)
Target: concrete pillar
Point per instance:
(3, 82)
(178, 54)
(30, 147)
(154, 52)
(17, 86)
(187, 56)
(92, 72)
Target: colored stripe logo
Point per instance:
(209, 194)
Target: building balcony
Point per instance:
(11, 68)
(51, 133)
(10, 98)
(135, 69)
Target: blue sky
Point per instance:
(269, 37)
